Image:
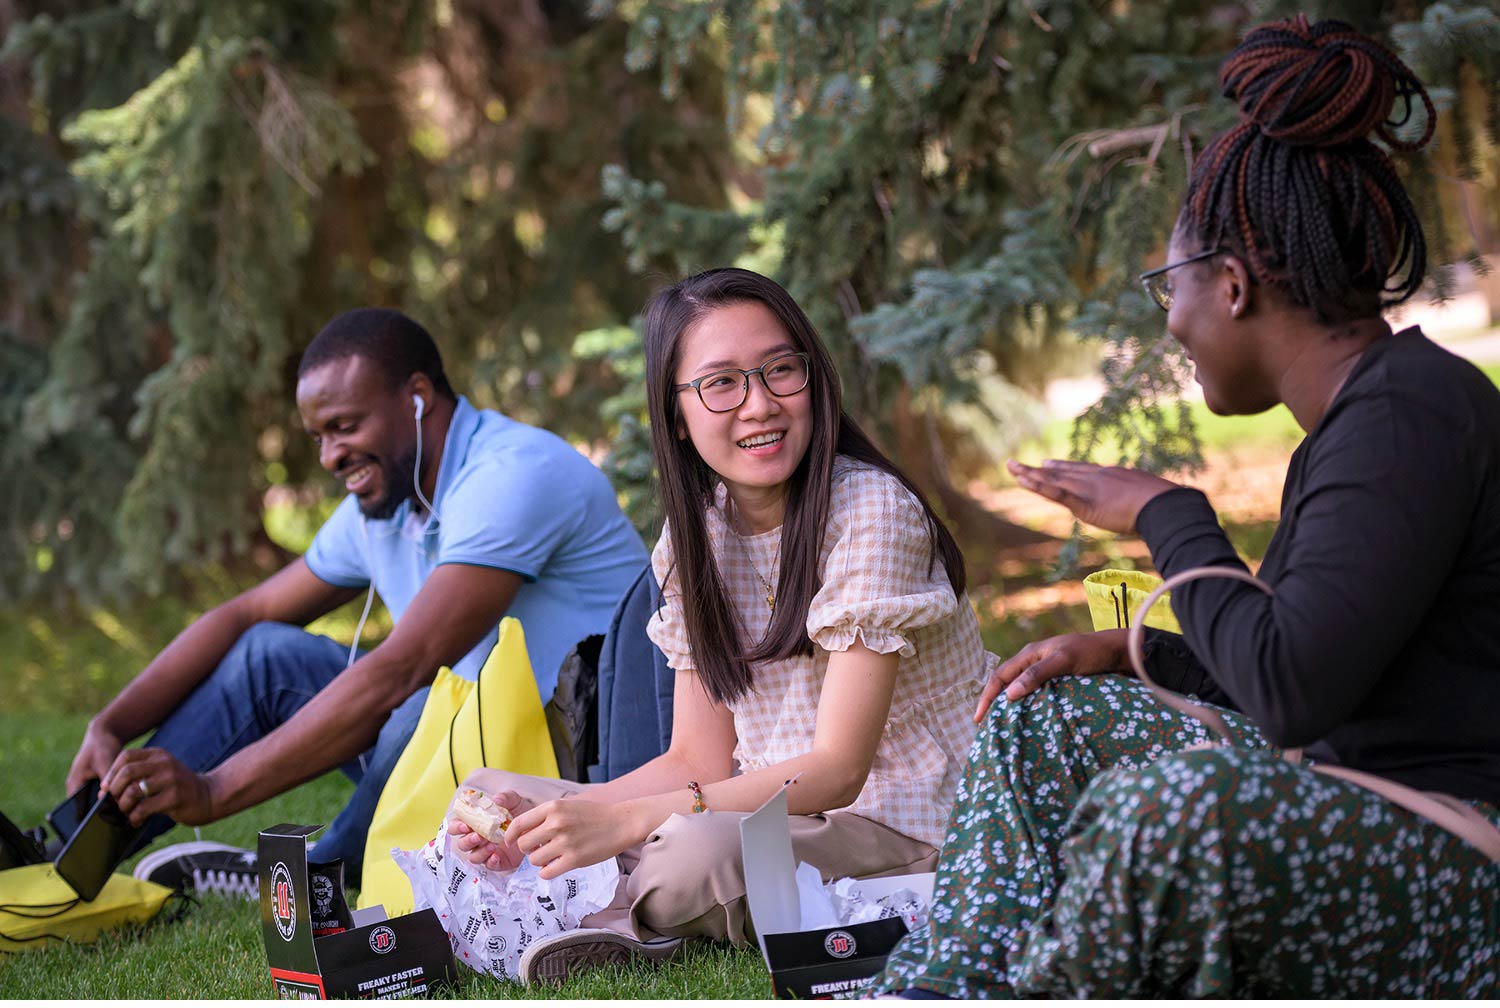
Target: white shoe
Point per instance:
(555, 957)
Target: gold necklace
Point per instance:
(745, 547)
(770, 592)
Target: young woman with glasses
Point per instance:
(1089, 854)
(813, 608)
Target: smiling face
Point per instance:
(756, 447)
(1208, 317)
(364, 430)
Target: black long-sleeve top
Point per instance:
(1380, 649)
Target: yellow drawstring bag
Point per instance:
(494, 722)
(1114, 594)
(38, 908)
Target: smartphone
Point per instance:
(101, 842)
(68, 816)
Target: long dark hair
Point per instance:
(1297, 190)
(722, 661)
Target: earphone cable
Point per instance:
(416, 471)
(416, 478)
(359, 628)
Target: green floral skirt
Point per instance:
(1089, 856)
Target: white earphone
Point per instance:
(416, 475)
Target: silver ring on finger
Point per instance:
(141, 786)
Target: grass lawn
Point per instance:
(1273, 429)
(63, 666)
(215, 948)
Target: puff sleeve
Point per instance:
(882, 581)
(666, 628)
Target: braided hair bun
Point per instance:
(1297, 189)
(1322, 85)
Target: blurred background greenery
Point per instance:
(960, 193)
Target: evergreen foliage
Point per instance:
(958, 192)
(195, 188)
(196, 191)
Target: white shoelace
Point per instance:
(233, 883)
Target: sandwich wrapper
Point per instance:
(859, 901)
(492, 917)
(821, 940)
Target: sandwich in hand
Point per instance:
(482, 814)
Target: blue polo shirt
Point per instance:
(509, 496)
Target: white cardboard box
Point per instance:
(820, 962)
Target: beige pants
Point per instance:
(688, 877)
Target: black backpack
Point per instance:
(613, 707)
(573, 711)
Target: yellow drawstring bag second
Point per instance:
(1113, 595)
(494, 722)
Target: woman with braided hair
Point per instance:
(1088, 854)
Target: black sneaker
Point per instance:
(204, 867)
(19, 847)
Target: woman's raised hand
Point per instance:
(1079, 654)
(1110, 497)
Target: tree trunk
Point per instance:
(919, 450)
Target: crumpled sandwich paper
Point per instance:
(843, 902)
(492, 916)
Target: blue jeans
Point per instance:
(269, 674)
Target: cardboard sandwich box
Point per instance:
(820, 962)
(318, 949)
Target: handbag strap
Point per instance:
(1137, 638)
(1437, 808)
(1441, 809)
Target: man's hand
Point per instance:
(1110, 497)
(1080, 654)
(292, 595)
(169, 787)
(95, 756)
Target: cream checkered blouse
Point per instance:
(875, 586)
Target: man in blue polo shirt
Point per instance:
(456, 517)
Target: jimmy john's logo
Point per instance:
(839, 944)
(382, 940)
(283, 901)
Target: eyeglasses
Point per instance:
(725, 390)
(1155, 280)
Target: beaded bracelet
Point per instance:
(699, 805)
